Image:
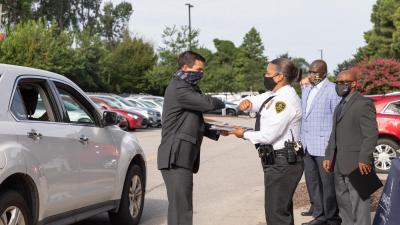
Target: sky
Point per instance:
(299, 27)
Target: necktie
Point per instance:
(340, 109)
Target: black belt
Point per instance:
(281, 153)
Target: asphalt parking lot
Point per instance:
(228, 190)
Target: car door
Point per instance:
(98, 158)
(390, 119)
(51, 148)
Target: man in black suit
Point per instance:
(352, 142)
(182, 133)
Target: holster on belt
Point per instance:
(266, 154)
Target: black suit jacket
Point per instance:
(354, 134)
(183, 125)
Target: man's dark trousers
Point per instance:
(281, 180)
(179, 184)
(321, 187)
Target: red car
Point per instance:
(388, 117)
(135, 120)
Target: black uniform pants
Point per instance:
(179, 183)
(281, 180)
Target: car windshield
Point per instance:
(149, 104)
(113, 101)
(112, 104)
(123, 101)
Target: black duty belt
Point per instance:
(281, 153)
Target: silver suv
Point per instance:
(62, 160)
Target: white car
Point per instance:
(143, 103)
(61, 164)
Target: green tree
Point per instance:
(89, 63)
(86, 14)
(221, 72)
(251, 60)
(114, 21)
(35, 44)
(16, 11)
(59, 10)
(381, 40)
(128, 63)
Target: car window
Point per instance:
(123, 101)
(112, 101)
(134, 103)
(31, 102)
(149, 104)
(113, 104)
(393, 108)
(77, 112)
(100, 104)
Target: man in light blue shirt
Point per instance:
(319, 100)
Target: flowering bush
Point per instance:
(378, 76)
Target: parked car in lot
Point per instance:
(58, 167)
(388, 118)
(153, 117)
(231, 110)
(146, 104)
(156, 99)
(135, 120)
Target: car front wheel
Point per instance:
(132, 200)
(13, 209)
(385, 151)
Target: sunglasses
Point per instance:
(341, 82)
(269, 75)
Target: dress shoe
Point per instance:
(309, 212)
(315, 222)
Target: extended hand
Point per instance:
(327, 165)
(245, 105)
(224, 133)
(364, 168)
(238, 132)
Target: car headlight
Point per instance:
(151, 113)
(133, 116)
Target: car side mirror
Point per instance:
(103, 107)
(110, 118)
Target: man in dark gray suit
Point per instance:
(182, 133)
(352, 142)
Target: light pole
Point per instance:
(190, 25)
(322, 53)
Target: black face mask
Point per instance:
(342, 90)
(269, 83)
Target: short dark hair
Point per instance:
(189, 58)
(287, 68)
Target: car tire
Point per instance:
(13, 204)
(385, 151)
(230, 112)
(252, 114)
(132, 199)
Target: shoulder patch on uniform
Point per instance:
(280, 106)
